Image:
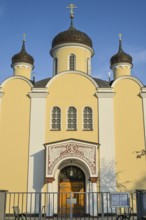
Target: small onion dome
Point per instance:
(72, 35)
(22, 56)
(121, 56)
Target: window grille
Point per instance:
(87, 119)
(72, 120)
(56, 118)
(72, 62)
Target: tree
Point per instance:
(140, 153)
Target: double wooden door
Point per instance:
(72, 198)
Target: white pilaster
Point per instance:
(51, 205)
(143, 95)
(106, 139)
(37, 139)
(94, 199)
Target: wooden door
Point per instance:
(70, 190)
(71, 187)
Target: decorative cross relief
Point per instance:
(81, 151)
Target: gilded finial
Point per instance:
(72, 7)
(120, 37)
(24, 37)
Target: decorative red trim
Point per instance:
(49, 179)
(93, 179)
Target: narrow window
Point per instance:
(72, 62)
(72, 119)
(88, 66)
(87, 119)
(56, 119)
(55, 66)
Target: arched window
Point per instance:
(87, 119)
(78, 174)
(88, 66)
(55, 66)
(56, 118)
(72, 118)
(72, 62)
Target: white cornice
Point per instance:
(1, 94)
(77, 45)
(38, 94)
(127, 77)
(143, 94)
(21, 65)
(105, 93)
(122, 65)
(39, 90)
(144, 89)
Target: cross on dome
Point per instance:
(24, 37)
(120, 37)
(72, 7)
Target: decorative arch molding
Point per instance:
(127, 77)
(122, 65)
(22, 65)
(74, 72)
(16, 77)
(58, 152)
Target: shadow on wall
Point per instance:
(38, 172)
(110, 179)
(141, 184)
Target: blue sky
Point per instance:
(102, 20)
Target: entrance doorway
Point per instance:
(71, 190)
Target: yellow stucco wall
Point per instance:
(129, 134)
(121, 71)
(14, 135)
(71, 89)
(62, 54)
(22, 71)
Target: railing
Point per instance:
(60, 206)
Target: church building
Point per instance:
(72, 132)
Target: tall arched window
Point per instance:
(87, 119)
(72, 62)
(56, 118)
(55, 66)
(72, 118)
(88, 66)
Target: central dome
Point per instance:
(72, 35)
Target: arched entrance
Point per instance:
(72, 187)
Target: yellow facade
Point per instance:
(129, 134)
(62, 54)
(73, 89)
(14, 134)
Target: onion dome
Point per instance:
(121, 56)
(72, 35)
(22, 56)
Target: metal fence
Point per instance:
(74, 205)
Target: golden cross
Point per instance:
(120, 37)
(24, 37)
(72, 7)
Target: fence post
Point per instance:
(71, 206)
(40, 208)
(2, 204)
(102, 205)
